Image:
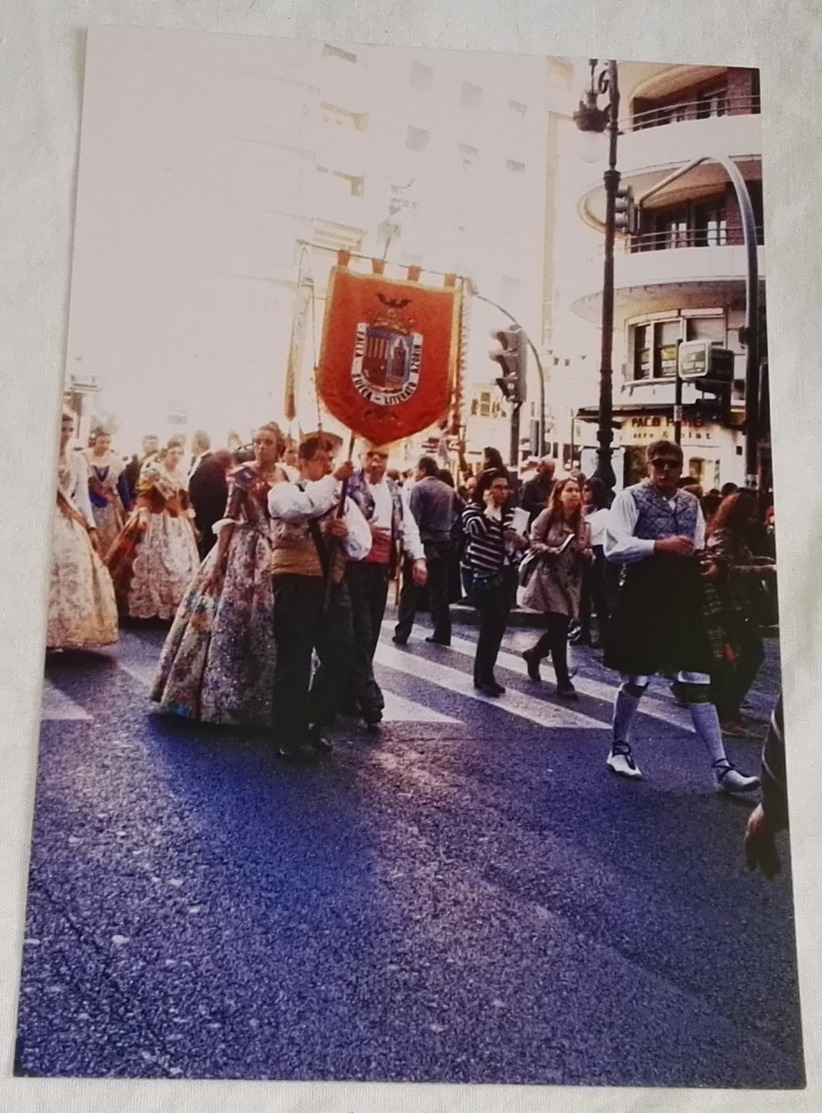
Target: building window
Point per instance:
(330, 51)
(470, 95)
(654, 344)
(416, 139)
(337, 236)
(468, 155)
(420, 77)
(516, 167)
(710, 225)
(343, 117)
(485, 403)
(517, 107)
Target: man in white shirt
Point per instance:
(656, 530)
(391, 523)
(312, 610)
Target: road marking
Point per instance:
(652, 705)
(397, 708)
(514, 703)
(400, 710)
(58, 707)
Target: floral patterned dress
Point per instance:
(103, 473)
(217, 664)
(155, 557)
(82, 609)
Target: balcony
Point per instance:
(648, 152)
(654, 274)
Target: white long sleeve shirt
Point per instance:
(620, 545)
(298, 505)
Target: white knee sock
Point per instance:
(706, 725)
(625, 708)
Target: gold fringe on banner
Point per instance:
(378, 266)
(449, 280)
(414, 274)
(343, 257)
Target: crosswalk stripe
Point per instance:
(397, 708)
(400, 710)
(514, 703)
(58, 707)
(653, 706)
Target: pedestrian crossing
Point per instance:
(441, 670)
(58, 707)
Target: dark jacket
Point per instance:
(208, 492)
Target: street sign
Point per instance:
(701, 359)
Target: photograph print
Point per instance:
(412, 701)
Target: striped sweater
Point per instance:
(485, 550)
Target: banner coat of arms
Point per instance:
(389, 354)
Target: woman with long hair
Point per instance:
(154, 558)
(739, 576)
(561, 540)
(82, 610)
(597, 577)
(489, 564)
(104, 470)
(217, 663)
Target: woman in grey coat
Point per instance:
(561, 540)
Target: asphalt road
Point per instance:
(472, 897)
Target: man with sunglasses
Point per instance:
(656, 530)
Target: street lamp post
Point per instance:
(591, 118)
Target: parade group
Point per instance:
(273, 567)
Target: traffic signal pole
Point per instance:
(513, 453)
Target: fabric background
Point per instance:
(41, 82)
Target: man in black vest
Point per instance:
(659, 622)
(207, 489)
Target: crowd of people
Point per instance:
(273, 566)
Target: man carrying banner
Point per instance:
(310, 543)
(392, 525)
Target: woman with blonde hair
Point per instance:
(154, 558)
(561, 542)
(82, 610)
(217, 664)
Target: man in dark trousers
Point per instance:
(392, 525)
(537, 491)
(207, 489)
(432, 503)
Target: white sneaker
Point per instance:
(619, 761)
(729, 779)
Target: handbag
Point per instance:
(528, 567)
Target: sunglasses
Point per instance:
(663, 462)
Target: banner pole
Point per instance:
(333, 544)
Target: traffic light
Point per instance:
(512, 356)
(625, 211)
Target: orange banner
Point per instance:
(389, 354)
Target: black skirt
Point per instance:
(657, 624)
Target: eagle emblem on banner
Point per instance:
(389, 354)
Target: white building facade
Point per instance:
(682, 276)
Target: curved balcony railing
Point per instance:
(688, 237)
(691, 110)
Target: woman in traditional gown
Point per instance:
(155, 557)
(82, 609)
(104, 469)
(217, 664)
